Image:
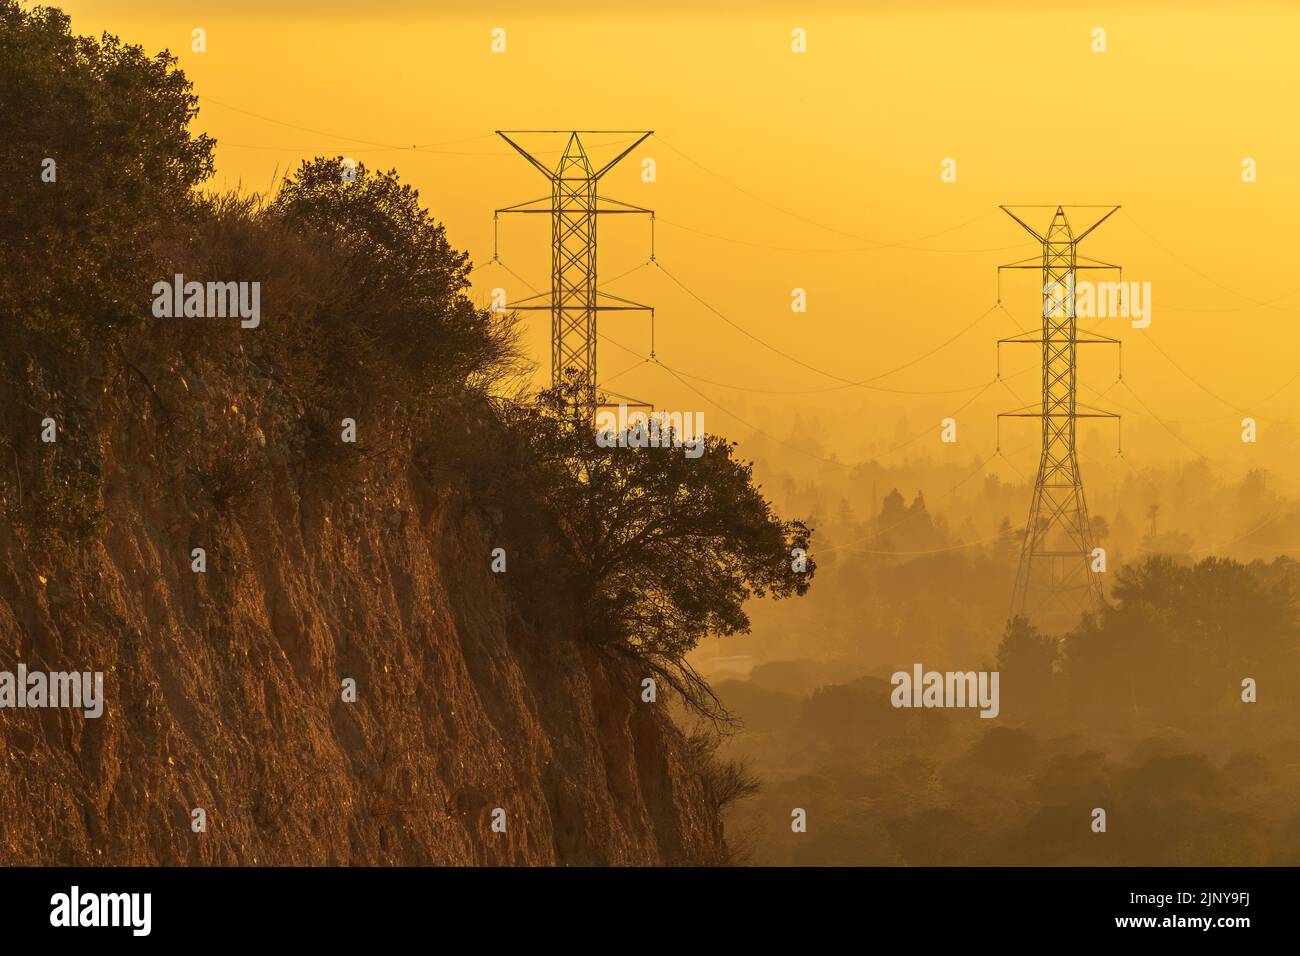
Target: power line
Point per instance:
(351, 139)
(1185, 421)
(763, 245)
(813, 222)
(845, 383)
(840, 388)
(423, 150)
(1270, 304)
(877, 455)
(800, 362)
(755, 428)
(1208, 391)
(759, 430)
(1162, 423)
(372, 145)
(630, 368)
(433, 148)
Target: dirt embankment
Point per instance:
(224, 689)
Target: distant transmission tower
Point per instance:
(1055, 576)
(574, 300)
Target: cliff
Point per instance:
(224, 688)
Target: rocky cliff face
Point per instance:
(224, 689)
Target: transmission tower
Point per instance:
(574, 300)
(1055, 576)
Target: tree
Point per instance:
(99, 173)
(99, 164)
(1100, 529)
(1007, 545)
(662, 549)
(398, 324)
(1027, 662)
(1179, 638)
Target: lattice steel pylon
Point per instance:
(574, 301)
(1055, 576)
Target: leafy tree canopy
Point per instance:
(83, 248)
(665, 549)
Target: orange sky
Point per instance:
(850, 136)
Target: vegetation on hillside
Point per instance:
(365, 315)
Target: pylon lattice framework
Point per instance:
(1055, 573)
(574, 300)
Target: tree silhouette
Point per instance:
(663, 549)
(1027, 664)
(100, 164)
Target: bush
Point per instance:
(396, 328)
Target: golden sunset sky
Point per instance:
(778, 170)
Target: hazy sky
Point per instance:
(847, 140)
(444, 9)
